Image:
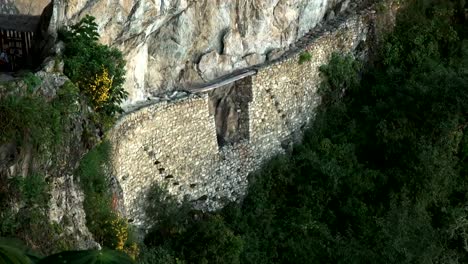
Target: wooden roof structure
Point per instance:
(19, 23)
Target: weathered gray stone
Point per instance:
(232, 44)
(56, 164)
(344, 5)
(52, 65)
(331, 15)
(275, 54)
(213, 65)
(66, 209)
(25, 7)
(254, 59)
(8, 155)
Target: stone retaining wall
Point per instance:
(174, 143)
(285, 93)
(169, 143)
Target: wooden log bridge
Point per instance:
(225, 80)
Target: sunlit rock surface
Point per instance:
(23, 7)
(170, 44)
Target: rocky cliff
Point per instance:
(24, 7)
(170, 44)
(41, 201)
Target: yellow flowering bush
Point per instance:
(99, 88)
(99, 70)
(132, 250)
(120, 229)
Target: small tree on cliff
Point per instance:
(97, 69)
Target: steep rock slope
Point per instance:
(170, 44)
(48, 215)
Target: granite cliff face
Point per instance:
(170, 44)
(23, 7)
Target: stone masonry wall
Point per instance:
(173, 143)
(285, 93)
(167, 143)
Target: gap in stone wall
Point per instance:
(230, 107)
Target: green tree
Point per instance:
(86, 60)
(211, 241)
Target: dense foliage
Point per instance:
(381, 176)
(304, 57)
(196, 237)
(97, 69)
(14, 252)
(102, 220)
(98, 198)
(22, 114)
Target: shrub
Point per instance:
(179, 233)
(95, 184)
(119, 235)
(23, 114)
(97, 69)
(107, 226)
(99, 89)
(340, 74)
(211, 241)
(30, 221)
(67, 100)
(30, 118)
(158, 255)
(34, 190)
(13, 251)
(166, 216)
(32, 81)
(33, 123)
(304, 57)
